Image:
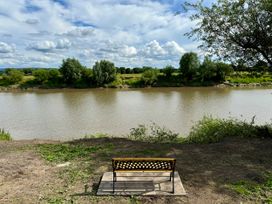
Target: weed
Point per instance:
(4, 135)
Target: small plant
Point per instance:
(153, 133)
(4, 135)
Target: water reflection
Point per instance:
(67, 114)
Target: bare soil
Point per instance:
(205, 170)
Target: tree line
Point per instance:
(72, 73)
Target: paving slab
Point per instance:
(141, 183)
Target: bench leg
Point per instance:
(113, 181)
(173, 182)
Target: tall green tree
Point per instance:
(235, 29)
(71, 70)
(189, 63)
(207, 70)
(104, 72)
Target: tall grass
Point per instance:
(206, 130)
(210, 130)
(4, 135)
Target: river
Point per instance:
(69, 114)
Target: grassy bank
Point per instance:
(221, 161)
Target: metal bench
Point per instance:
(144, 165)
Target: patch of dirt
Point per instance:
(205, 170)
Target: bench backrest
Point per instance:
(143, 164)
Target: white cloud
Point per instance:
(129, 32)
(44, 46)
(63, 44)
(6, 48)
(129, 51)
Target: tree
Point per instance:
(104, 72)
(207, 70)
(235, 29)
(54, 74)
(71, 70)
(41, 75)
(168, 71)
(150, 76)
(13, 76)
(188, 65)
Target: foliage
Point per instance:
(235, 30)
(249, 77)
(54, 74)
(150, 76)
(209, 130)
(168, 71)
(104, 72)
(71, 70)
(188, 65)
(153, 133)
(4, 135)
(252, 189)
(207, 70)
(41, 75)
(13, 76)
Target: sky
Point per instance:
(130, 33)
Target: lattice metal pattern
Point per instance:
(143, 165)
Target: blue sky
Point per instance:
(131, 33)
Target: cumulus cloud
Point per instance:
(80, 32)
(48, 46)
(129, 51)
(129, 32)
(168, 50)
(6, 48)
(63, 44)
(44, 46)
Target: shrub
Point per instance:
(150, 76)
(13, 76)
(209, 130)
(54, 74)
(153, 133)
(4, 135)
(41, 75)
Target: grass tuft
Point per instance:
(4, 135)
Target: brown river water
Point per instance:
(69, 114)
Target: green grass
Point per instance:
(262, 191)
(65, 152)
(4, 135)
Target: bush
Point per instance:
(54, 74)
(104, 72)
(209, 130)
(150, 76)
(153, 133)
(4, 135)
(13, 76)
(41, 75)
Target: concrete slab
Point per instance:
(139, 183)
